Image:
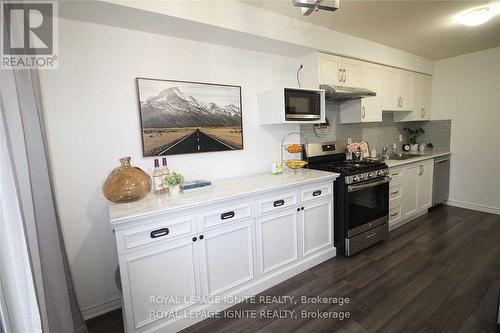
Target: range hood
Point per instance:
(342, 94)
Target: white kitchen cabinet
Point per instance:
(410, 191)
(368, 109)
(330, 70)
(215, 258)
(421, 98)
(277, 240)
(339, 71)
(396, 89)
(352, 70)
(317, 232)
(167, 269)
(425, 179)
(410, 188)
(235, 246)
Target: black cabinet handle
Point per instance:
(194, 239)
(228, 215)
(392, 215)
(393, 193)
(301, 208)
(159, 233)
(316, 193)
(298, 209)
(201, 236)
(278, 203)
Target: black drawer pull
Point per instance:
(394, 193)
(227, 215)
(316, 193)
(392, 215)
(159, 233)
(278, 203)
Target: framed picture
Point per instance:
(180, 117)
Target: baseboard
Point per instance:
(101, 308)
(473, 206)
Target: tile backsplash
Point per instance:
(380, 134)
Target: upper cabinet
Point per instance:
(396, 89)
(339, 71)
(421, 98)
(367, 109)
(406, 93)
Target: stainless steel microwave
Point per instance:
(303, 104)
(283, 105)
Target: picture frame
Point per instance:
(186, 117)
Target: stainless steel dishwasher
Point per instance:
(441, 186)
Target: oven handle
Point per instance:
(353, 188)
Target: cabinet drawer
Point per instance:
(316, 192)
(396, 175)
(395, 191)
(277, 202)
(394, 213)
(224, 214)
(165, 229)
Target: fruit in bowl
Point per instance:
(296, 164)
(295, 148)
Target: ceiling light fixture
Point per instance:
(309, 6)
(476, 17)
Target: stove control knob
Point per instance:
(361, 177)
(370, 175)
(354, 179)
(380, 173)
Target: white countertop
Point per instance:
(219, 191)
(422, 157)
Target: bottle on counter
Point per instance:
(158, 178)
(164, 168)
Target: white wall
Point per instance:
(466, 89)
(93, 119)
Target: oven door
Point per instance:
(302, 105)
(367, 205)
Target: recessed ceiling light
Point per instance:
(477, 16)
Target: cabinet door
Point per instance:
(426, 82)
(410, 187)
(371, 107)
(148, 273)
(425, 178)
(352, 72)
(317, 226)
(226, 257)
(389, 92)
(405, 80)
(330, 69)
(277, 240)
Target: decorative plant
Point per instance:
(173, 179)
(413, 134)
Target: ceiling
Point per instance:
(425, 28)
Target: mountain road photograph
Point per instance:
(186, 117)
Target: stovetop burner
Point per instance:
(346, 167)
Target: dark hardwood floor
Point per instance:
(438, 273)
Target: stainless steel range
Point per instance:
(361, 197)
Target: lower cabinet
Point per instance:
(316, 227)
(227, 247)
(169, 264)
(425, 181)
(415, 183)
(277, 240)
(168, 269)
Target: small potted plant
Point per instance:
(173, 182)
